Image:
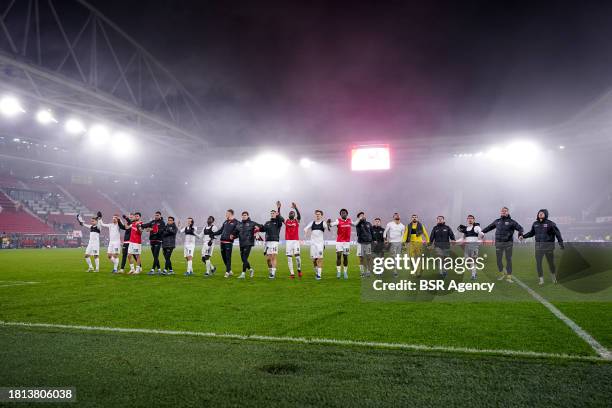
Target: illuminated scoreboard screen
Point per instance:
(364, 158)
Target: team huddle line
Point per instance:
(372, 240)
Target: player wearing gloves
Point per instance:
(545, 232)
(190, 232)
(92, 251)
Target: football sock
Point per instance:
(290, 263)
(97, 261)
(189, 266)
(298, 262)
(88, 260)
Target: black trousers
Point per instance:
(226, 255)
(501, 249)
(245, 251)
(124, 253)
(155, 248)
(168, 258)
(550, 258)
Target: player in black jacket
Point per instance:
(441, 235)
(364, 244)
(272, 229)
(378, 238)
(228, 232)
(168, 237)
(155, 227)
(126, 239)
(504, 228)
(246, 236)
(545, 232)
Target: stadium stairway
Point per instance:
(14, 219)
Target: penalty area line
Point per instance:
(602, 351)
(304, 340)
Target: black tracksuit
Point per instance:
(545, 233)
(168, 243)
(246, 237)
(441, 235)
(126, 240)
(364, 232)
(228, 232)
(155, 239)
(378, 240)
(504, 240)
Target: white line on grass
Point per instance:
(15, 283)
(603, 352)
(303, 340)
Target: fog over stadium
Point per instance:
(266, 108)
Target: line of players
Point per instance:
(372, 240)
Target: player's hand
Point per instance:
(231, 237)
(294, 206)
(210, 242)
(278, 204)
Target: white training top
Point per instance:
(205, 237)
(477, 230)
(190, 240)
(394, 232)
(316, 236)
(94, 237)
(113, 231)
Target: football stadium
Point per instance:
(305, 204)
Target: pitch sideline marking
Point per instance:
(4, 284)
(603, 352)
(304, 340)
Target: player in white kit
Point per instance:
(208, 241)
(114, 242)
(472, 236)
(93, 246)
(317, 242)
(190, 232)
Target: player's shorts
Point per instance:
(134, 249)
(207, 250)
(470, 249)
(344, 247)
(271, 248)
(316, 250)
(92, 249)
(188, 251)
(364, 249)
(113, 248)
(292, 247)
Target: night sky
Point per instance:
(295, 73)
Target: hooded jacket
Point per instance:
(157, 227)
(504, 229)
(441, 235)
(545, 232)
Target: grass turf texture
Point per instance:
(330, 309)
(116, 369)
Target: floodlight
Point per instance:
(10, 106)
(122, 144)
(98, 135)
(370, 158)
(305, 162)
(45, 116)
(74, 126)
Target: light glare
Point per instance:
(10, 106)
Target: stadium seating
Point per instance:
(13, 219)
(93, 200)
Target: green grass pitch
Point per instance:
(148, 369)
